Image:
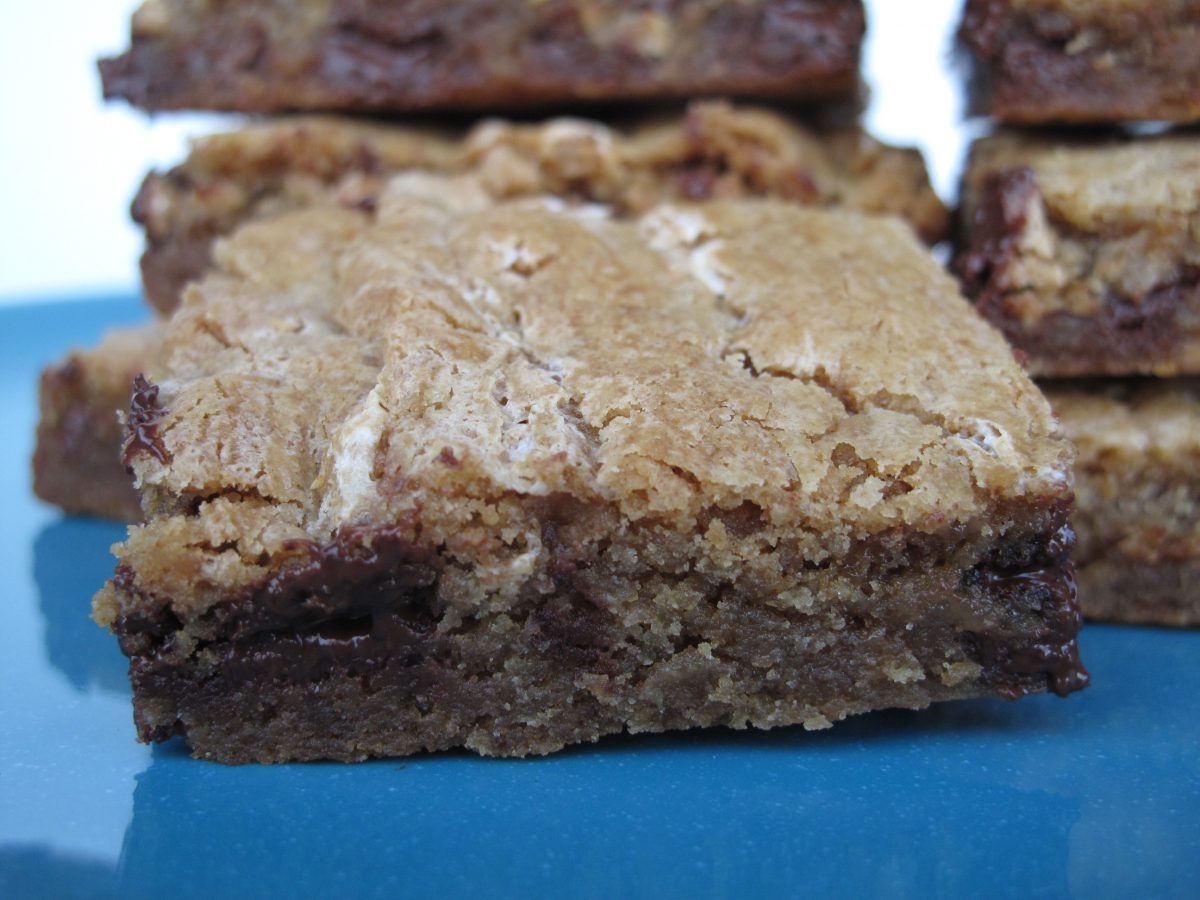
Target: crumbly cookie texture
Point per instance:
(1079, 61)
(265, 56)
(447, 473)
(713, 151)
(1086, 253)
(1138, 497)
(77, 462)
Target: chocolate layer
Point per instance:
(1036, 575)
(358, 617)
(1054, 63)
(712, 151)
(359, 55)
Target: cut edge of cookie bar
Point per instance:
(1084, 251)
(517, 477)
(1137, 497)
(77, 458)
(1039, 62)
(273, 56)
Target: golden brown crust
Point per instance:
(715, 150)
(614, 344)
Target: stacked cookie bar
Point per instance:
(1084, 249)
(711, 150)
(516, 438)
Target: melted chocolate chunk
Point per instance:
(144, 417)
(361, 572)
(1035, 579)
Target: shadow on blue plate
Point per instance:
(678, 816)
(35, 871)
(71, 560)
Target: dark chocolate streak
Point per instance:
(142, 427)
(995, 229)
(1127, 337)
(425, 54)
(469, 56)
(361, 573)
(1037, 579)
(1139, 64)
(354, 646)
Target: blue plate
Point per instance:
(1096, 795)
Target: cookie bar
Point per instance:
(715, 150)
(1137, 484)
(449, 473)
(1086, 253)
(77, 462)
(265, 56)
(1041, 61)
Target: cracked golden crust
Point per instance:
(450, 363)
(714, 151)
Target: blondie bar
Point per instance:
(1137, 484)
(715, 150)
(387, 56)
(443, 473)
(1086, 252)
(77, 463)
(1084, 60)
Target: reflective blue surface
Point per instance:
(1094, 796)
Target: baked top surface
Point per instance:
(1106, 186)
(1101, 218)
(751, 149)
(712, 150)
(747, 352)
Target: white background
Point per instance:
(69, 165)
